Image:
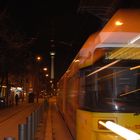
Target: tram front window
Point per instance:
(111, 84)
(119, 89)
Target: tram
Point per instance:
(103, 81)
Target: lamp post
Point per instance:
(38, 59)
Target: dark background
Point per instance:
(61, 26)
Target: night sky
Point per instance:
(52, 20)
(47, 20)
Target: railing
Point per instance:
(28, 130)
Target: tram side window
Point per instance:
(128, 83)
(90, 100)
(105, 84)
(87, 95)
(81, 92)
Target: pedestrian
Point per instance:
(16, 99)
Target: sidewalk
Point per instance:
(12, 116)
(8, 112)
(53, 126)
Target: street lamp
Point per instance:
(37, 81)
(38, 58)
(45, 69)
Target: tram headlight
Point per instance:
(120, 130)
(101, 122)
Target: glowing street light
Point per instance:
(45, 69)
(38, 58)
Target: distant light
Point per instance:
(52, 53)
(118, 23)
(13, 88)
(19, 88)
(47, 75)
(38, 58)
(45, 69)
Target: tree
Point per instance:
(14, 51)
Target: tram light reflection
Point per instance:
(120, 130)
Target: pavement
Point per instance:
(51, 127)
(12, 116)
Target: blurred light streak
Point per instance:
(120, 130)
